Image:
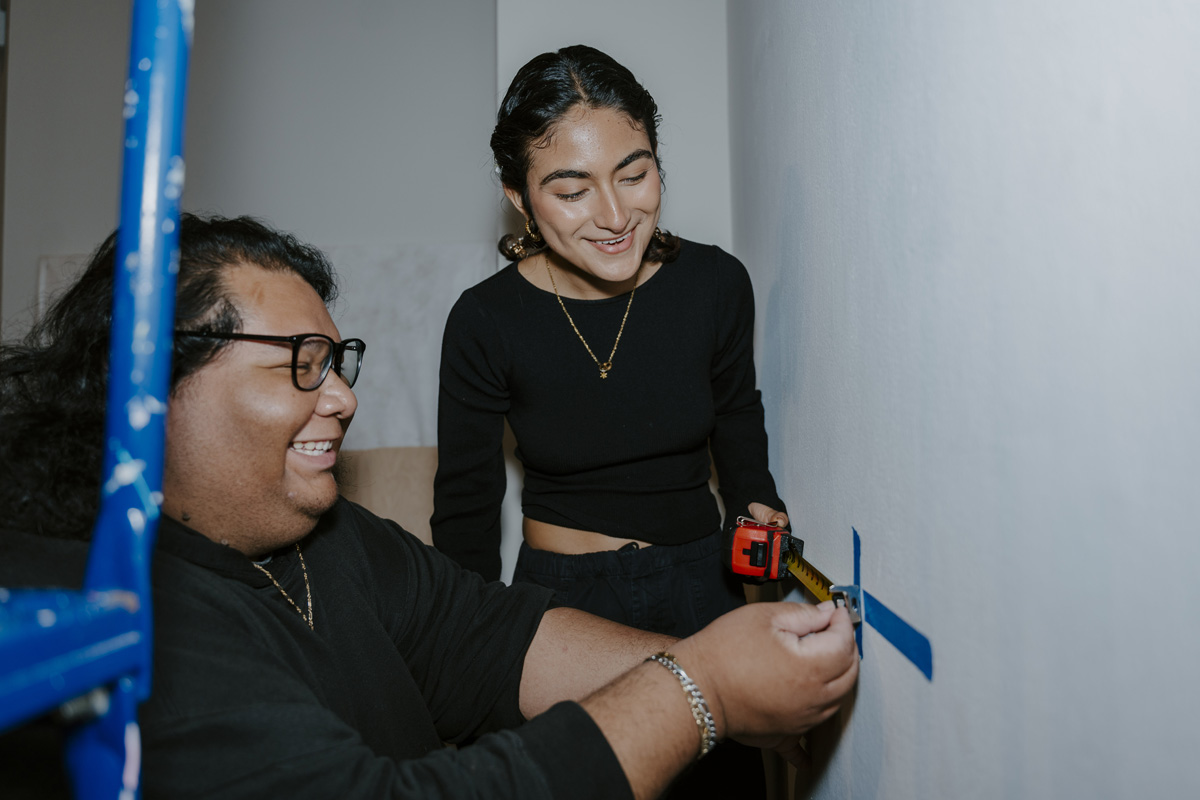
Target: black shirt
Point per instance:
(628, 455)
(408, 651)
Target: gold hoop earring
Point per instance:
(532, 231)
(658, 234)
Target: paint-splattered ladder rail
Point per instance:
(88, 653)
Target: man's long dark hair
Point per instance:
(53, 382)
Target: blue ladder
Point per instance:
(88, 653)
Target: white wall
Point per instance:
(357, 122)
(973, 232)
(66, 76)
(364, 122)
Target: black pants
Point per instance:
(671, 589)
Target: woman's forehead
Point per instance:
(588, 134)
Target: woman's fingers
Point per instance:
(767, 515)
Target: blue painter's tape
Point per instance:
(858, 582)
(912, 644)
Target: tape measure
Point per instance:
(770, 553)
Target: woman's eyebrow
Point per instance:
(632, 157)
(564, 173)
(575, 173)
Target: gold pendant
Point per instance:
(604, 368)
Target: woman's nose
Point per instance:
(611, 214)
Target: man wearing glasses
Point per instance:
(305, 647)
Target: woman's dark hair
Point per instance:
(53, 382)
(540, 95)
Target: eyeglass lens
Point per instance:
(349, 357)
(312, 360)
(316, 354)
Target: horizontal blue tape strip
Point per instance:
(904, 637)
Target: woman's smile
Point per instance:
(614, 246)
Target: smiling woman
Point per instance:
(619, 354)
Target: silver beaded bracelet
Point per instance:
(700, 713)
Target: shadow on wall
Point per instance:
(782, 273)
(781, 375)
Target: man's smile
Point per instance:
(312, 448)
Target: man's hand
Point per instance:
(771, 671)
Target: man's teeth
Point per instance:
(311, 447)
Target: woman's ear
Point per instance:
(514, 197)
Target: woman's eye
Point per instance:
(571, 196)
(636, 178)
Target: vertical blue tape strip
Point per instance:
(858, 582)
(912, 644)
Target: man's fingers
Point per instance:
(840, 622)
(832, 649)
(801, 619)
(793, 750)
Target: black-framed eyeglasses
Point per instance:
(312, 355)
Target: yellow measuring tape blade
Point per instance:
(809, 577)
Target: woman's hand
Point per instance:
(768, 516)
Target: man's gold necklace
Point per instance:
(307, 589)
(606, 366)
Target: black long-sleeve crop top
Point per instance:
(627, 456)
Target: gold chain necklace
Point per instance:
(607, 365)
(286, 596)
